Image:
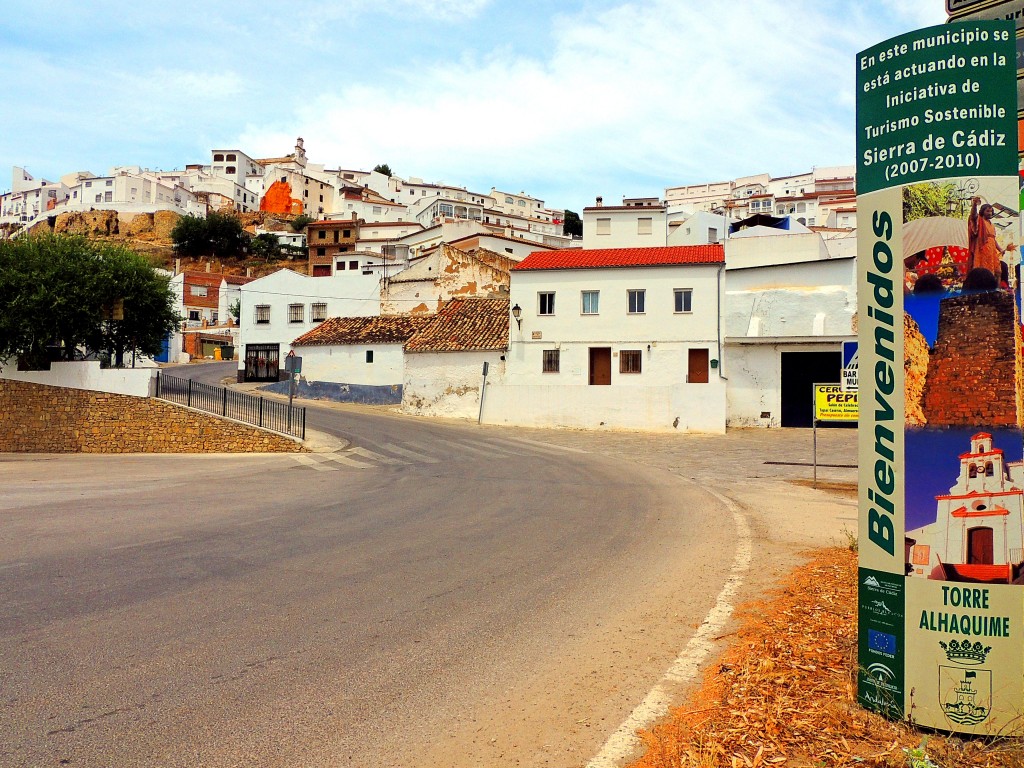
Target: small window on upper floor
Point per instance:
(590, 302)
(635, 299)
(604, 226)
(295, 313)
(231, 158)
(218, 158)
(230, 169)
(318, 312)
(369, 355)
(262, 314)
(197, 290)
(546, 303)
(644, 226)
(353, 265)
(683, 300)
(509, 200)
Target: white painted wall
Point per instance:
(347, 294)
(652, 399)
(88, 375)
(698, 407)
(448, 383)
(346, 363)
(623, 227)
(613, 323)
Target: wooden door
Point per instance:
(600, 365)
(979, 546)
(697, 367)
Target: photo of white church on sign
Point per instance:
(978, 533)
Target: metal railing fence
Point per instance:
(250, 409)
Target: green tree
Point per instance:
(219, 234)
(931, 198)
(266, 246)
(384, 168)
(60, 297)
(572, 224)
(300, 222)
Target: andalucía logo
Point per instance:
(962, 652)
(881, 676)
(965, 694)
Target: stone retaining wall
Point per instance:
(36, 418)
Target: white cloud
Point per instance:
(653, 91)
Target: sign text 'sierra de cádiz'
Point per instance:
(934, 106)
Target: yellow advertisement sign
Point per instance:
(832, 403)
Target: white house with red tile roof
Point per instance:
(623, 338)
(444, 360)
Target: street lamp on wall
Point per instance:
(517, 313)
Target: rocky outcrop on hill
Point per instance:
(915, 371)
(973, 369)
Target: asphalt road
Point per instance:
(436, 594)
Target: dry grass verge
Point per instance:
(785, 693)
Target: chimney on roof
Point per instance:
(177, 266)
(207, 267)
(600, 201)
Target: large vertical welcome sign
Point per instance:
(941, 601)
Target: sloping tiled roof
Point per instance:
(591, 258)
(464, 324)
(383, 329)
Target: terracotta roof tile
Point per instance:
(383, 329)
(580, 258)
(464, 324)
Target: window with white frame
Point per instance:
(683, 299)
(262, 316)
(318, 311)
(295, 313)
(591, 301)
(550, 361)
(604, 226)
(644, 226)
(546, 303)
(630, 361)
(197, 290)
(635, 299)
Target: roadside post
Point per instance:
(292, 364)
(831, 403)
(940, 499)
(483, 390)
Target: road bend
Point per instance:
(433, 594)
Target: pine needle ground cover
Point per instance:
(784, 694)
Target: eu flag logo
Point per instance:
(881, 641)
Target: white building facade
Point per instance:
(622, 338)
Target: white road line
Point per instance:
(341, 458)
(489, 451)
(409, 454)
(376, 456)
(536, 445)
(166, 540)
(312, 463)
(8, 566)
(624, 741)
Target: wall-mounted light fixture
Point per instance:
(517, 313)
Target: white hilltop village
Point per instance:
(708, 305)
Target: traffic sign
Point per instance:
(850, 366)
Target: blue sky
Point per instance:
(564, 100)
